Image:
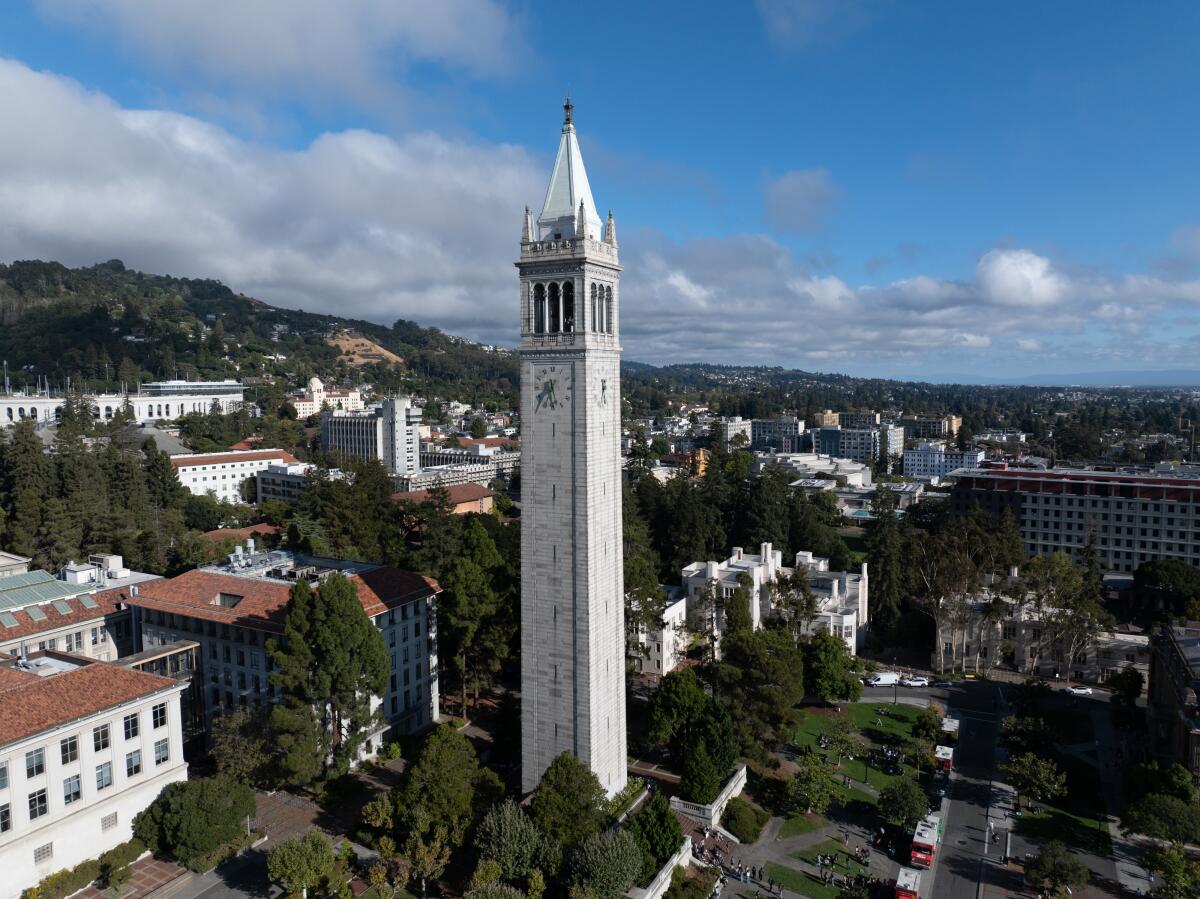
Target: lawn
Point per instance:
(877, 729)
(844, 862)
(1078, 818)
(801, 883)
(801, 823)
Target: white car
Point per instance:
(1080, 691)
(915, 682)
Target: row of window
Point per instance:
(38, 800)
(554, 308)
(68, 747)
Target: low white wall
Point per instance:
(710, 814)
(662, 880)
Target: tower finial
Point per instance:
(568, 107)
(610, 230)
(581, 222)
(527, 227)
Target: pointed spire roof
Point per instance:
(568, 189)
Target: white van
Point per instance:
(883, 679)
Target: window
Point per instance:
(108, 822)
(4, 776)
(100, 737)
(95, 635)
(161, 752)
(103, 776)
(160, 715)
(71, 789)
(133, 763)
(35, 762)
(43, 853)
(37, 804)
(5, 818)
(70, 750)
(131, 726)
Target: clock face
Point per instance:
(551, 387)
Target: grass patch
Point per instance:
(878, 730)
(800, 882)
(1079, 818)
(801, 823)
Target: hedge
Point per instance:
(743, 820)
(72, 880)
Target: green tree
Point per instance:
(1173, 780)
(1021, 735)
(469, 600)
(657, 831)
(1056, 870)
(644, 596)
(192, 818)
(445, 786)
(759, 681)
(299, 730)
(508, 837)
(478, 427)
(1176, 877)
(886, 556)
(239, 746)
(903, 802)
(701, 781)
(332, 661)
(606, 863)
(928, 723)
(301, 863)
(1127, 685)
(829, 669)
(1034, 777)
(428, 856)
(1163, 817)
(812, 786)
(569, 802)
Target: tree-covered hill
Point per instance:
(105, 325)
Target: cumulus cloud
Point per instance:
(357, 224)
(348, 48)
(354, 224)
(799, 201)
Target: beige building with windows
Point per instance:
(84, 747)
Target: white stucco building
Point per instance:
(223, 474)
(572, 594)
(846, 472)
(933, 461)
(84, 747)
(663, 647)
(153, 401)
(388, 432)
(315, 397)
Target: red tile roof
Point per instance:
(219, 458)
(240, 534)
(502, 442)
(30, 704)
(263, 605)
(459, 493)
(106, 604)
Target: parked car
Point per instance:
(883, 679)
(915, 681)
(1080, 691)
(942, 683)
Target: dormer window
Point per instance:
(227, 600)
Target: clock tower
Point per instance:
(572, 582)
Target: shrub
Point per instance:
(72, 880)
(193, 819)
(743, 820)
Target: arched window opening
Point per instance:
(539, 309)
(555, 309)
(568, 299)
(108, 412)
(9, 411)
(592, 319)
(608, 310)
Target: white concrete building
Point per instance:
(845, 472)
(780, 434)
(312, 400)
(11, 563)
(285, 481)
(879, 444)
(223, 474)
(388, 432)
(842, 600)
(572, 590)
(663, 647)
(933, 461)
(156, 400)
(232, 609)
(727, 430)
(84, 747)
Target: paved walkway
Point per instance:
(145, 876)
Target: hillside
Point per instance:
(105, 325)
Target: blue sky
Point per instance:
(877, 188)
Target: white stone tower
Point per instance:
(572, 582)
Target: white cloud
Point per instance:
(1029, 345)
(794, 24)
(1019, 278)
(799, 201)
(346, 48)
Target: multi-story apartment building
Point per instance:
(729, 432)
(388, 432)
(1131, 517)
(318, 396)
(501, 460)
(826, 419)
(223, 475)
(1174, 688)
(939, 427)
(880, 444)
(934, 461)
(663, 647)
(234, 608)
(284, 481)
(780, 434)
(40, 612)
(84, 747)
(859, 421)
(156, 400)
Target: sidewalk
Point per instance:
(146, 875)
(1130, 874)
